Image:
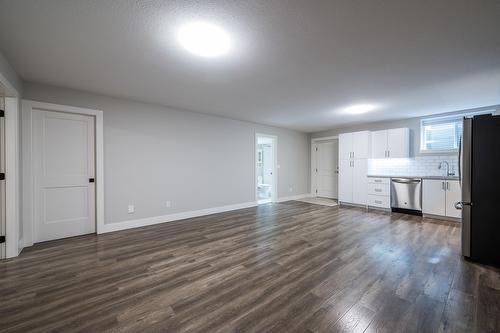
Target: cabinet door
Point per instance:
(434, 197)
(361, 144)
(360, 181)
(345, 146)
(379, 144)
(398, 142)
(453, 195)
(345, 180)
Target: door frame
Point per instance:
(274, 194)
(12, 179)
(28, 107)
(314, 141)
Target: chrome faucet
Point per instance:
(448, 174)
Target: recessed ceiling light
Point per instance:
(360, 108)
(204, 39)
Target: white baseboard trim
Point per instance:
(294, 197)
(116, 226)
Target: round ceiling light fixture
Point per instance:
(360, 108)
(204, 39)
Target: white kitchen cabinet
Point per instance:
(434, 197)
(453, 195)
(352, 181)
(345, 146)
(392, 143)
(439, 197)
(359, 181)
(354, 151)
(379, 144)
(361, 144)
(398, 143)
(345, 180)
(354, 145)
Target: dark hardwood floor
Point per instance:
(290, 267)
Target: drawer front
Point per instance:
(379, 189)
(373, 180)
(379, 201)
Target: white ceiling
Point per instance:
(296, 64)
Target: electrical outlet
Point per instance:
(168, 204)
(131, 209)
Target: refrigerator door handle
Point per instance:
(460, 160)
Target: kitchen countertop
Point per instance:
(423, 177)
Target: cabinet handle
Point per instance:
(388, 153)
(442, 186)
(352, 154)
(448, 186)
(378, 180)
(378, 190)
(378, 202)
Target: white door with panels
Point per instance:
(327, 169)
(63, 175)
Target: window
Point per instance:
(443, 133)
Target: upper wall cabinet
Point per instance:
(354, 145)
(393, 143)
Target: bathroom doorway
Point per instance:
(266, 168)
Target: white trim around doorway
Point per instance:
(314, 141)
(274, 196)
(28, 107)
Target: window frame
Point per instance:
(451, 118)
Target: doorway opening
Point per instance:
(325, 168)
(265, 168)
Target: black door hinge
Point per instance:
(2, 239)
(2, 176)
(2, 113)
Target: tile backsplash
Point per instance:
(415, 166)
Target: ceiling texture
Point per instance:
(294, 64)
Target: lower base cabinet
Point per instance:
(439, 197)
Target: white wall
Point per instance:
(9, 75)
(196, 161)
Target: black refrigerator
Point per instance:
(480, 180)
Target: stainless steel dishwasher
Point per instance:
(406, 195)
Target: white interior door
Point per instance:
(327, 169)
(64, 169)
